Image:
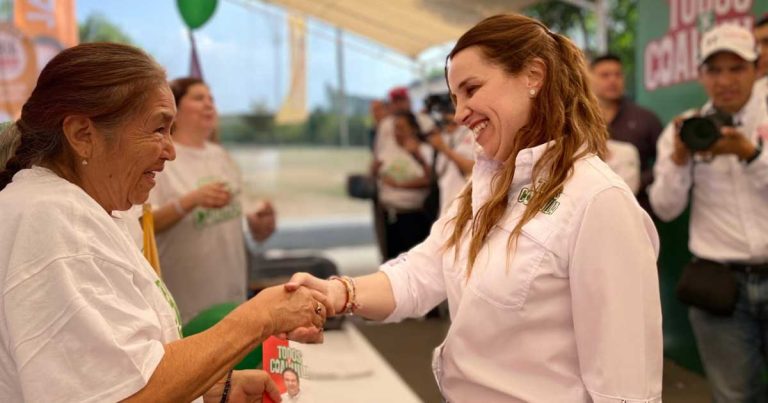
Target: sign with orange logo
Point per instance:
(18, 71)
(39, 29)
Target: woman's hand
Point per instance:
(246, 386)
(388, 180)
(286, 311)
(212, 195)
(334, 291)
(262, 221)
(436, 140)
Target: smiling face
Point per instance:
(123, 167)
(491, 102)
(291, 382)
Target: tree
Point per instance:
(568, 19)
(98, 28)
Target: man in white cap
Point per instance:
(727, 184)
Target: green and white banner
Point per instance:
(668, 36)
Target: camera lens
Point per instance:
(699, 133)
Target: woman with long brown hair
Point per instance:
(547, 260)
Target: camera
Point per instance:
(437, 105)
(699, 133)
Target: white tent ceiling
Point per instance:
(407, 26)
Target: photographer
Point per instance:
(454, 147)
(726, 284)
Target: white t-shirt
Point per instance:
(202, 256)
(624, 159)
(401, 166)
(570, 314)
(451, 179)
(85, 318)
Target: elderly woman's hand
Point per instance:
(334, 291)
(285, 312)
(247, 386)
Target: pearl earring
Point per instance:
(85, 162)
(532, 92)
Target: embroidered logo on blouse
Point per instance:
(549, 208)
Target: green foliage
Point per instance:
(321, 128)
(561, 17)
(569, 20)
(622, 35)
(98, 28)
(6, 7)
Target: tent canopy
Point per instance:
(407, 26)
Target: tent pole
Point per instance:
(342, 101)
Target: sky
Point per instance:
(238, 51)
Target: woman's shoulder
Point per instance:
(55, 216)
(591, 175)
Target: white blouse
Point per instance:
(570, 314)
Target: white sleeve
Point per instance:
(80, 331)
(757, 171)
(615, 300)
(416, 276)
(669, 191)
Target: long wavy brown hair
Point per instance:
(564, 113)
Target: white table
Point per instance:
(347, 369)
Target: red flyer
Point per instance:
(285, 365)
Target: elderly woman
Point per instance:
(198, 213)
(85, 318)
(546, 258)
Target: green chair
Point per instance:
(210, 317)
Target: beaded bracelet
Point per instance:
(227, 387)
(350, 305)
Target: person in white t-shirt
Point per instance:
(84, 316)
(547, 260)
(198, 212)
(386, 148)
(404, 178)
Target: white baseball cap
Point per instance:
(728, 38)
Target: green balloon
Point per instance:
(195, 13)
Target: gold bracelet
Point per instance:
(351, 305)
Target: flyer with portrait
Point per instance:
(286, 366)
